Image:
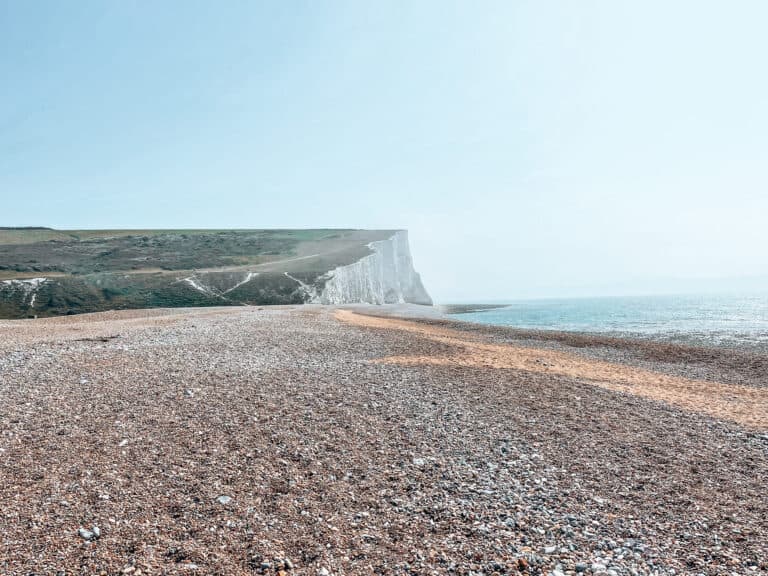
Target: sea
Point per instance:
(723, 320)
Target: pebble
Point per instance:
(223, 499)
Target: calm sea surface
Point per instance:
(722, 320)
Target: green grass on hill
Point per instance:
(93, 251)
(92, 270)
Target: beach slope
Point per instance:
(323, 440)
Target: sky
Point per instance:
(532, 149)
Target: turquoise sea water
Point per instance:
(722, 320)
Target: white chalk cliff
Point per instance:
(386, 276)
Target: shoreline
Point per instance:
(352, 442)
(751, 362)
(714, 335)
(669, 373)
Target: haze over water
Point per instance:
(732, 320)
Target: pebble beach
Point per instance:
(324, 441)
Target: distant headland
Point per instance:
(48, 272)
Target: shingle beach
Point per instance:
(319, 441)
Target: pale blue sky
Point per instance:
(532, 148)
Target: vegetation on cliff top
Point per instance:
(93, 270)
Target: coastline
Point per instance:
(737, 365)
(733, 321)
(356, 439)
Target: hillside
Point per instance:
(46, 272)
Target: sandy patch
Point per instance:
(742, 404)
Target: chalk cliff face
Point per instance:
(385, 277)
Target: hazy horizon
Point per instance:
(531, 149)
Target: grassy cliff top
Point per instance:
(29, 252)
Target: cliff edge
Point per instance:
(385, 277)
